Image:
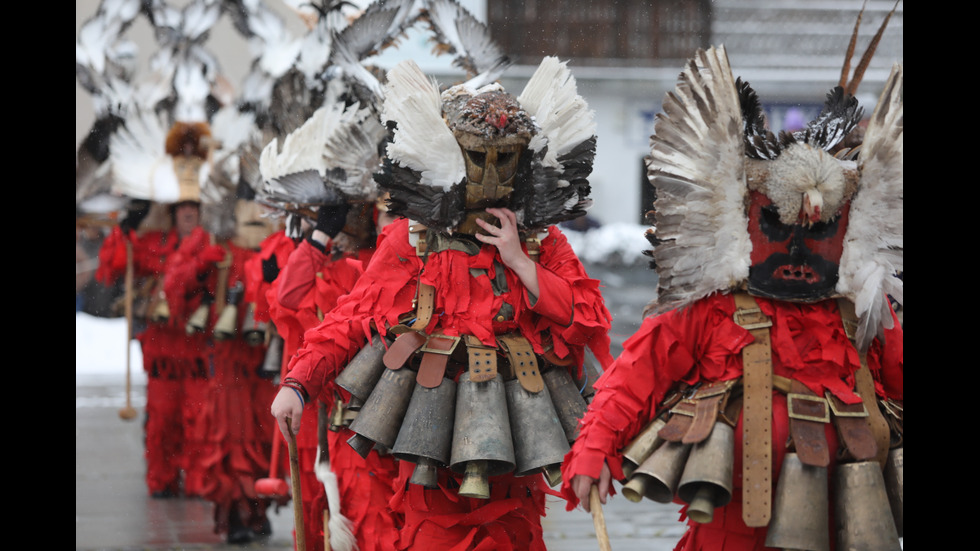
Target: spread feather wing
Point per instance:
(457, 32)
(563, 149)
(295, 174)
(352, 152)
(422, 141)
(873, 248)
(141, 168)
(696, 163)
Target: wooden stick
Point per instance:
(297, 491)
(129, 412)
(598, 519)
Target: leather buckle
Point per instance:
(751, 318)
(794, 401)
(438, 345)
(846, 413)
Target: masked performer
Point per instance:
(473, 316)
(764, 391)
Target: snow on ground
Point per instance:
(100, 348)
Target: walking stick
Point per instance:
(297, 491)
(129, 412)
(598, 519)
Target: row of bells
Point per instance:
(476, 429)
(225, 328)
(868, 500)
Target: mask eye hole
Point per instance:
(504, 158)
(772, 227)
(478, 158)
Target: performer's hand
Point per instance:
(287, 405)
(582, 485)
(507, 239)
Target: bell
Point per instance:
(253, 331)
(364, 370)
(539, 439)
(161, 310)
(336, 419)
(895, 486)
(482, 444)
(863, 517)
(198, 321)
(645, 443)
(382, 414)
(224, 328)
(273, 356)
(426, 435)
(657, 477)
(568, 403)
(800, 518)
(707, 480)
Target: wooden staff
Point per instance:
(129, 412)
(297, 491)
(598, 519)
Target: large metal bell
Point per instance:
(800, 516)
(272, 363)
(364, 370)
(482, 442)
(895, 486)
(540, 443)
(226, 326)
(657, 477)
(198, 322)
(426, 435)
(707, 480)
(381, 417)
(642, 447)
(568, 402)
(253, 331)
(863, 517)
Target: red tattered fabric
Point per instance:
(310, 284)
(236, 424)
(570, 309)
(170, 357)
(703, 343)
(275, 248)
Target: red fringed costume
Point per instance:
(232, 413)
(175, 363)
(702, 343)
(570, 309)
(309, 285)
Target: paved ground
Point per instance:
(113, 512)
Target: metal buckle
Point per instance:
(427, 348)
(792, 397)
(749, 326)
(838, 413)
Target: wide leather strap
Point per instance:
(402, 349)
(482, 360)
(808, 415)
(853, 429)
(756, 413)
(522, 360)
(435, 356)
(680, 421)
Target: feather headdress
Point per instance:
(708, 152)
(426, 171)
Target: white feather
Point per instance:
(302, 149)
(141, 168)
(563, 116)
(697, 164)
(341, 534)
(422, 141)
(874, 243)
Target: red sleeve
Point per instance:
(571, 303)
(112, 258)
(298, 276)
(383, 293)
(664, 350)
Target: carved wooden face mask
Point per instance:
(797, 262)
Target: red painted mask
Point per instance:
(795, 262)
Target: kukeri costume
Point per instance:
(765, 391)
(458, 367)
